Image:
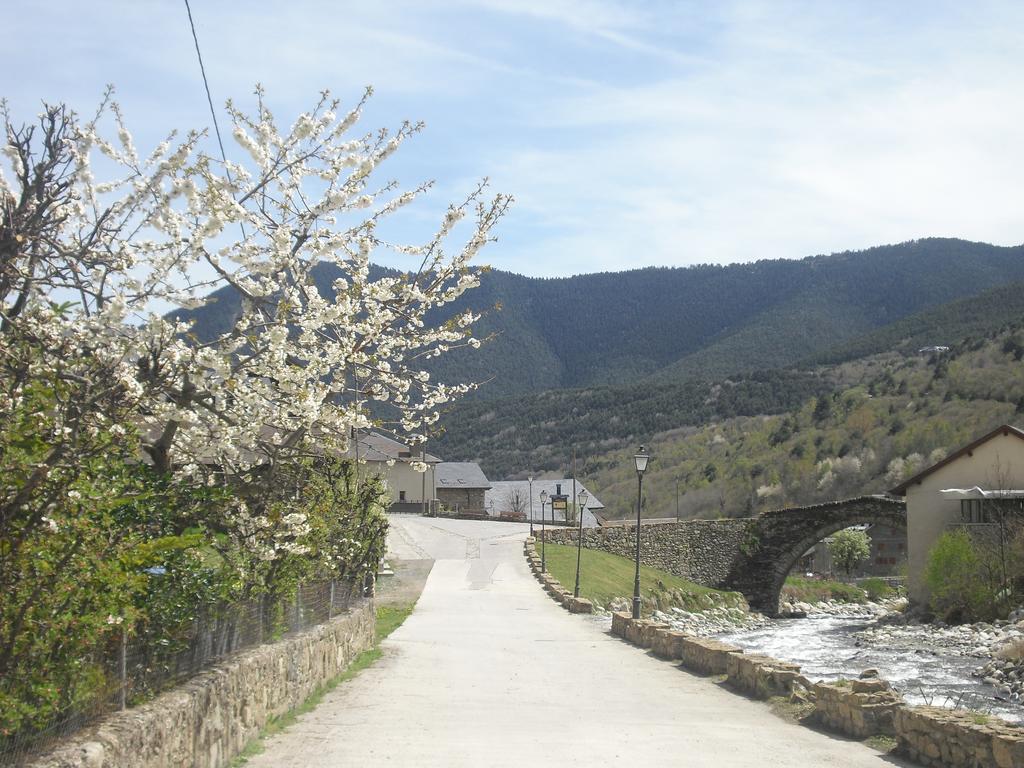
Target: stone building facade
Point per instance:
(461, 487)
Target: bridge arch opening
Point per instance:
(778, 539)
(789, 562)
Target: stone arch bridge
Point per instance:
(750, 555)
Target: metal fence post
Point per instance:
(259, 618)
(330, 606)
(122, 667)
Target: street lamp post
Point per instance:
(581, 507)
(530, 513)
(640, 458)
(677, 499)
(543, 538)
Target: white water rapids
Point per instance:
(826, 649)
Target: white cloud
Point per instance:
(661, 132)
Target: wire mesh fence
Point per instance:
(134, 668)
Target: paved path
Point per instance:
(488, 671)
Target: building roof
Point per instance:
(978, 492)
(460, 474)
(373, 446)
(499, 496)
(1006, 430)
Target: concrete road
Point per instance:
(488, 671)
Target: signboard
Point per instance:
(560, 503)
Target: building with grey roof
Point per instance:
(513, 496)
(461, 486)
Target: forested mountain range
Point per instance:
(703, 322)
(513, 435)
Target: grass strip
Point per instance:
(604, 576)
(389, 618)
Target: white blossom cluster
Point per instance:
(299, 366)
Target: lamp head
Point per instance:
(641, 458)
(543, 497)
(582, 498)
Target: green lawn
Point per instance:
(604, 576)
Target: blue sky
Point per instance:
(630, 133)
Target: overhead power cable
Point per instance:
(209, 100)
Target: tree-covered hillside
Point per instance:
(700, 322)
(889, 416)
(938, 326)
(514, 436)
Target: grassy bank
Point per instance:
(604, 576)
(389, 618)
(804, 590)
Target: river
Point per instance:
(826, 649)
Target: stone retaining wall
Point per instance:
(702, 551)
(207, 721)
(552, 586)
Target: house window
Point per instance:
(972, 511)
(401, 495)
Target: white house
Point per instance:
(382, 455)
(513, 497)
(960, 490)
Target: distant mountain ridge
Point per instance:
(707, 322)
(701, 322)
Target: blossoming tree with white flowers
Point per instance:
(98, 242)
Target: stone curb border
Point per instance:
(209, 719)
(858, 708)
(551, 585)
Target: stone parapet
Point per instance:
(957, 738)
(858, 708)
(551, 585)
(208, 720)
(706, 656)
(668, 644)
(641, 631)
(761, 676)
(620, 621)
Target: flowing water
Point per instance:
(825, 649)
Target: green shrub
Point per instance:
(804, 590)
(877, 589)
(957, 580)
